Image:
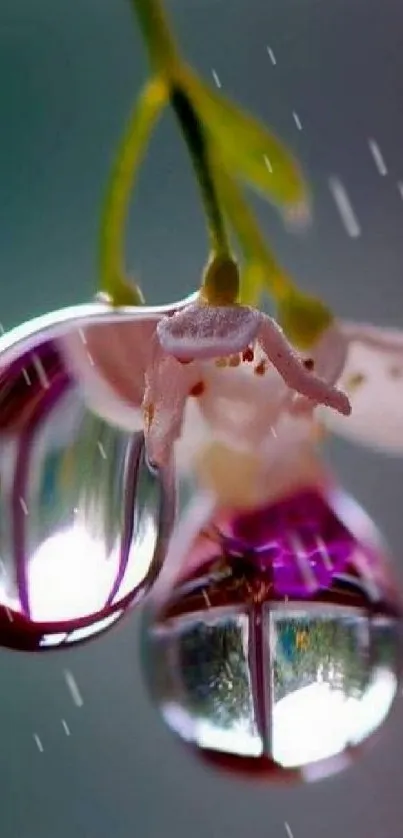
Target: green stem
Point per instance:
(196, 142)
(131, 152)
(251, 240)
(162, 50)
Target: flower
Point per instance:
(198, 380)
(164, 358)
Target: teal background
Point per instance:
(68, 73)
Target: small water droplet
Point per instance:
(216, 78)
(271, 55)
(102, 450)
(23, 506)
(41, 372)
(38, 742)
(73, 687)
(268, 165)
(293, 663)
(66, 727)
(345, 207)
(297, 120)
(378, 157)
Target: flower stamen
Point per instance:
(261, 367)
(197, 389)
(248, 355)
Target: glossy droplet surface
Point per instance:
(83, 522)
(279, 655)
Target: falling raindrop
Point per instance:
(73, 688)
(216, 78)
(271, 55)
(38, 742)
(297, 120)
(345, 207)
(378, 157)
(278, 656)
(66, 727)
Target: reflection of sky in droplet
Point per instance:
(318, 722)
(70, 576)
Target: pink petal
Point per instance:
(168, 384)
(291, 367)
(109, 355)
(373, 377)
(204, 331)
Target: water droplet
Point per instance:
(38, 742)
(216, 78)
(73, 688)
(345, 207)
(297, 120)
(271, 55)
(84, 521)
(379, 159)
(278, 657)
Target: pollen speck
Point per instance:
(261, 367)
(198, 389)
(221, 362)
(355, 381)
(148, 415)
(248, 355)
(234, 360)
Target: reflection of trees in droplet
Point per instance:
(329, 650)
(92, 473)
(215, 674)
(385, 643)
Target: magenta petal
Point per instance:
(299, 540)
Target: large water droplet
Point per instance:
(83, 521)
(279, 655)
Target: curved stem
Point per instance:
(247, 231)
(196, 142)
(162, 50)
(133, 146)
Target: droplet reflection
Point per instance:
(279, 655)
(83, 521)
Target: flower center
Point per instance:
(202, 331)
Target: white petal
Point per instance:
(373, 379)
(241, 406)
